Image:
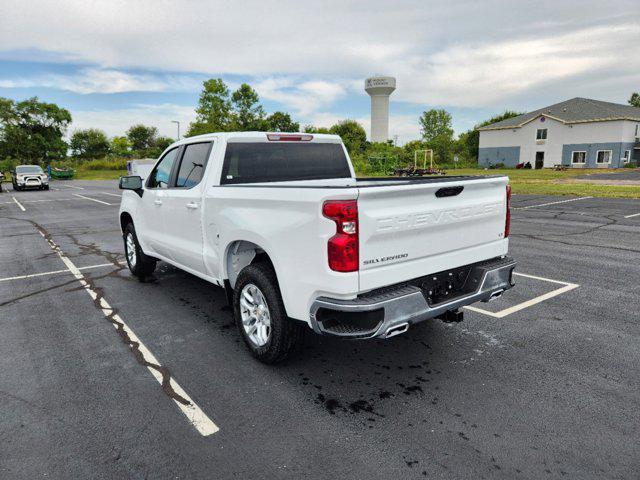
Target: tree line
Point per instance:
(32, 131)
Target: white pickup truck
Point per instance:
(282, 223)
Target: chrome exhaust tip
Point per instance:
(396, 330)
(495, 295)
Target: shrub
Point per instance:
(106, 164)
(7, 165)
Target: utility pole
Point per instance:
(178, 124)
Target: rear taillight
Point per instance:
(507, 222)
(343, 247)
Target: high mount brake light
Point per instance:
(343, 247)
(273, 137)
(507, 222)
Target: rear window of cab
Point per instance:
(256, 162)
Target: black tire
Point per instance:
(46, 187)
(285, 333)
(140, 265)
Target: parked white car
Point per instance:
(282, 223)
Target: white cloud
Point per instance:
(489, 73)
(302, 97)
(97, 80)
(115, 122)
(311, 57)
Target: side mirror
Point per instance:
(133, 182)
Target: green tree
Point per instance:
(634, 100)
(32, 131)
(352, 134)
(436, 123)
(311, 129)
(120, 147)
(213, 113)
(281, 122)
(89, 143)
(247, 113)
(160, 144)
(163, 142)
(380, 158)
(142, 138)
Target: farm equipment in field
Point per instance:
(62, 173)
(416, 171)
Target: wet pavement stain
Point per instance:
(110, 313)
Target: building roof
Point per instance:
(576, 110)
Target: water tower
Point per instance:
(379, 88)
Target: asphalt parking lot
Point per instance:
(542, 383)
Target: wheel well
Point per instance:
(125, 219)
(240, 254)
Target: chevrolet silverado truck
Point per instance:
(280, 221)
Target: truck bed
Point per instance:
(367, 182)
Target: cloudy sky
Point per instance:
(118, 62)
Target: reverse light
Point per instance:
(507, 222)
(343, 247)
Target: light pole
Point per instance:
(178, 124)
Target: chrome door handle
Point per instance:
(192, 205)
(158, 202)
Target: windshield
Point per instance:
(29, 169)
(278, 162)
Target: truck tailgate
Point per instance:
(407, 231)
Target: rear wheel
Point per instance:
(269, 334)
(139, 264)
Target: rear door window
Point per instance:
(194, 161)
(161, 174)
(279, 162)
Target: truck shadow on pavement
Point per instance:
(352, 378)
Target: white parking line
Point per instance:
(72, 186)
(53, 272)
(92, 199)
(112, 194)
(19, 204)
(631, 216)
(551, 203)
(521, 306)
(47, 200)
(203, 424)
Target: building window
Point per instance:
(603, 156)
(541, 134)
(578, 157)
(627, 156)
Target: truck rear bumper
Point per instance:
(389, 311)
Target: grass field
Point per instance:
(549, 182)
(86, 174)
